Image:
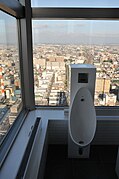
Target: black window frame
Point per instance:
(17, 10)
(53, 13)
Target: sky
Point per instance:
(8, 30)
(75, 32)
(64, 31)
(75, 3)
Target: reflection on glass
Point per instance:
(57, 44)
(10, 90)
(75, 3)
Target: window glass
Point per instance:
(57, 44)
(10, 88)
(76, 3)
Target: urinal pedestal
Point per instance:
(117, 164)
(73, 150)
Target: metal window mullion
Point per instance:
(21, 63)
(27, 59)
(75, 13)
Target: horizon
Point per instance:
(38, 44)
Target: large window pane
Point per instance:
(10, 89)
(60, 43)
(75, 3)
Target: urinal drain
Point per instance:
(81, 142)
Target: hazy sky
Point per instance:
(75, 3)
(8, 29)
(85, 32)
(64, 31)
(76, 31)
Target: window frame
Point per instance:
(21, 13)
(75, 13)
(11, 135)
(13, 8)
(53, 13)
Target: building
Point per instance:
(102, 85)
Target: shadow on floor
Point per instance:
(100, 165)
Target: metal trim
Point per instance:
(24, 163)
(27, 58)
(75, 13)
(13, 8)
(11, 135)
(21, 62)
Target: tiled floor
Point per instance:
(100, 165)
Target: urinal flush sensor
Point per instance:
(82, 116)
(82, 77)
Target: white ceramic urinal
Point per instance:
(82, 121)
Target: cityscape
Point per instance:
(10, 88)
(51, 68)
(51, 76)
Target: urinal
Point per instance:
(82, 118)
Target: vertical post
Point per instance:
(25, 33)
(117, 164)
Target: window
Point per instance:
(10, 88)
(58, 43)
(76, 3)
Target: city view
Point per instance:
(59, 43)
(10, 88)
(56, 45)
(51, 68)
(10, 84)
